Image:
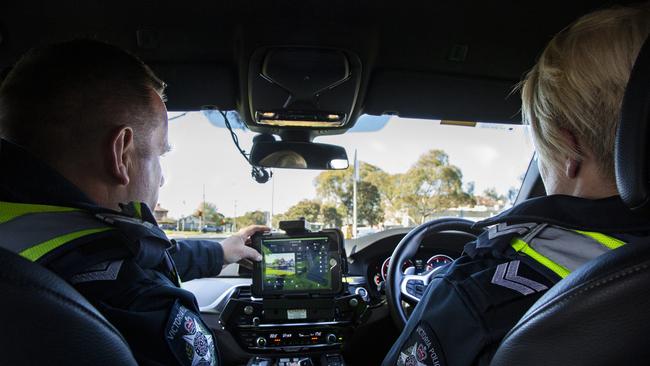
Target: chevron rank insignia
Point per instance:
(506, 275)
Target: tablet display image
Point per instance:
(296, 264)
(280, 264)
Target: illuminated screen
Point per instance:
(296, 264)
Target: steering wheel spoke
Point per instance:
(409, 287)
(413, 286)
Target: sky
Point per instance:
(203, 155)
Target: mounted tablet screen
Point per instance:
(297, 265)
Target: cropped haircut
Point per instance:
(578, 85)
(62, 100)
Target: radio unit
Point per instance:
(293, 325)
(308, 337)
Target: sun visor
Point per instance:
(192, 86)
(431, 96)
(303, 88)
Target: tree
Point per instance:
(432, 185)
(512, 195)
(336, 187)
(309, 209)
(470, 187)
(513, 192)
(251, 218)
(368, 203)
(275, 220)
(208, 211)
(389, 188)
(332, 184)
(491, 198)
(331, 215)
(313, 211)
(493, 194)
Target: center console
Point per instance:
(299, 311)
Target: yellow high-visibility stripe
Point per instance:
(11, 210)
(608, 241)
(39, 250)
(523, 247)
(138, 209)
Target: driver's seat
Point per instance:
(599, 315)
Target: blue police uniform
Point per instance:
(471, 304)
(120, 261)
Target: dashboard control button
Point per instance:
(353, 302)
(361, 291)
(331, 338)
(260, 341)
(415, 288)
(248, 310)
(256, 321)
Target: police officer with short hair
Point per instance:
(571, 100)
(83, 126)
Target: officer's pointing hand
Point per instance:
(235, 248)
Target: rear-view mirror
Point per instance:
(298, 155)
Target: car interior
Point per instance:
(298, 71)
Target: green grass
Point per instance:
(278, 272)
(299, 278)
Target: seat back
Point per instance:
(598, 315)
(44, 321)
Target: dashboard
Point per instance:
(368, 260)
(370, 256)
(378, 268)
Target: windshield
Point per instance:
(409, 171)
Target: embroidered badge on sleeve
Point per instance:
(189, 338)
(421, 349)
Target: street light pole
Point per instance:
(202, 210)
(355, 178)
(272, 200)
(234, 218)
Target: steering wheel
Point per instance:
(411, 287)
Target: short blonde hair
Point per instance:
(578, 84)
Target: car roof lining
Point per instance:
(201, 48)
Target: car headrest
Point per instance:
(633, 137)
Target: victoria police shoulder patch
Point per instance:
(189, 338)
(421, 348)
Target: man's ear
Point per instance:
(572, 164)
(122, 148)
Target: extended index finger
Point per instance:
(250, 230)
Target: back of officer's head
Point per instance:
(577, 86)
(62, 100)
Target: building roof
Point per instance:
(159, 208)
